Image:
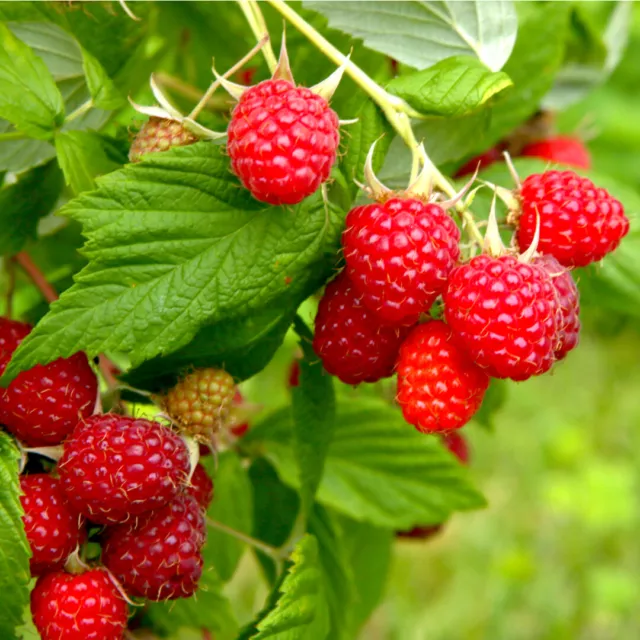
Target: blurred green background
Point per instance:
(556, 554)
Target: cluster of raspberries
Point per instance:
(126, 483)
(503, 316)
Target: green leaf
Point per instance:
(275, 506)
(368, 551)
(14, 549)
(336, 571)
(452, 87)
(421, 33)
(241, 346)
(233, 506)
(371, 127)
(209, 609)
(29, 98)
(378, 469)
(101, 87)
(494, 400)
(82, 159)
(23, 203)
(301, 610)
(314, 409)
(173, 244)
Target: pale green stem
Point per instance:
(12, 135)
(263, 547)
(80, 111)
(396, 110)
(256, 21)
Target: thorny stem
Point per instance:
(216, 83)
(396, 110)
(276, 555)
(256, 21)
(51, 295)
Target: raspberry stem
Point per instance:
(396, 110)
(256, 21)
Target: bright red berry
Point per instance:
(158, 556)
(115, 467)
(505, 314)
(52, 527)
(87, 606)
(439, 387)
(569, 302)
(349, 338)
(480, 162)
(399, 254)
(282, 141)
(43, 405)
(560, 150)
(201, 487)
(579, 222)
(159, 134)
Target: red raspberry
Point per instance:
(294, 374)
(505, 314)
(482, 161)
(52, 527)
(201, 487)
(560, 150)
(457, 444)
(349, 338)
(88, 606)
(569, 302)
(115, 467)
(237, 423)
(159, 134)
(158, 557)
(579, 223)
(399, 254)
(282, 141)
(439, 387)
(43, 405)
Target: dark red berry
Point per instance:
(560, 150)
(439, 387)
(480, 162)
(282, 141)
(43, 405)
(158, 557)
(116, 467)
(421, 533)
(457, 444)
(87, 606)
(349, 338)
(294, 374)
(504, 313)
(201, 487)
(52, 526)
(399, 254)
(569, 303)
(579, 222)
(159, 134)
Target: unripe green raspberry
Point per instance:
(200, 402)
(159, 134)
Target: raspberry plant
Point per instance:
(216, 268)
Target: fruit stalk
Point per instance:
(258, 25)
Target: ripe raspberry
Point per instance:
(115, 467)
(88, 606)
(294, 374)
(349, 338)
(201, 487)
(52, 527)
(399, 255)
(43, 405)
(505, 314)
(439, 387)
(569, 302)
(158, 557)
(482, 161)
(201, 401)
(159, 134)
(457, 444)
(560, 150)
(579, 223)
(282, 141)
